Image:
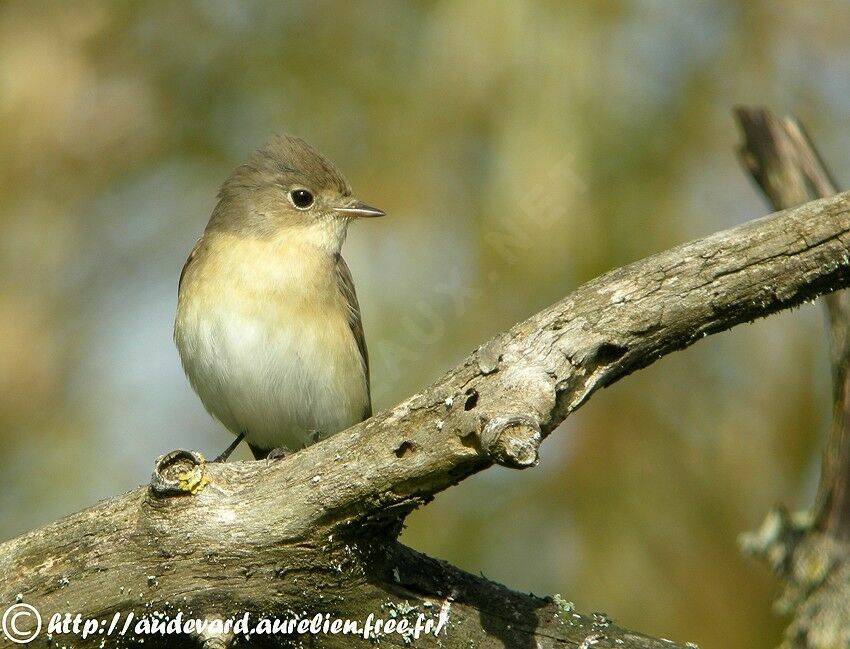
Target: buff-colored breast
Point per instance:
(263, 333)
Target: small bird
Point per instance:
(268, 326)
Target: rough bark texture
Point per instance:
(810, 552)
(316, 532)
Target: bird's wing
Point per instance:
(346, 287)
(189, 260)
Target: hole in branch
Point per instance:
(608, 353)
(470, 440)
(471, 399)
(404, 449)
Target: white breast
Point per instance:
(263, 334)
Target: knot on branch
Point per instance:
(179, 472)
(512, 440)
(489, 355)
(777, 538)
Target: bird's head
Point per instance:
(288, 188)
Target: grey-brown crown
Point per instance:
(288, 159)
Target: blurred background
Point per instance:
(520, 148)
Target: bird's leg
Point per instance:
(226, 452)
(259, 453)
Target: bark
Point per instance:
(810, 552)
(316, 532)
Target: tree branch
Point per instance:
(317, 531)
(811, 553)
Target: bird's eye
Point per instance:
(301, 198)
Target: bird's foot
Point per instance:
(279, 453)
(282, 452)
(273, 454)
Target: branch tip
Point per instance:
(512, 441)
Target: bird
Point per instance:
(268, 326)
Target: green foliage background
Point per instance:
(520, 148)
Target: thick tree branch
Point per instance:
(316, 531)
(811, 553)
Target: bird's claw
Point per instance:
(279, 453)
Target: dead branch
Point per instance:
(316, 532)
(810, 552)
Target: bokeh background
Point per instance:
(520, 148)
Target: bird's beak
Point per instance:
(359, 209)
